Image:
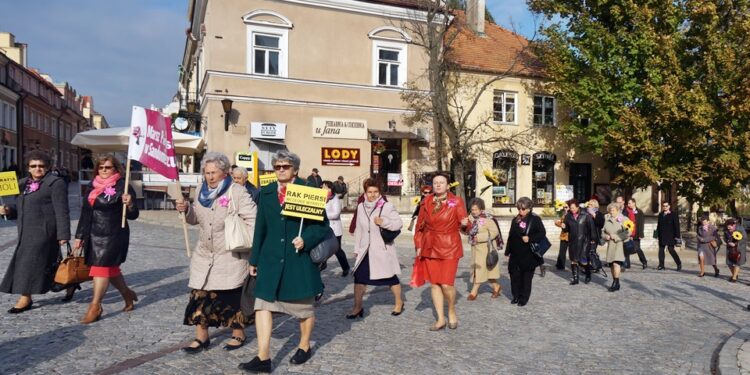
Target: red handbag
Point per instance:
(418, 273)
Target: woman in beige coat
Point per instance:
(217, 274)
(614, 233)
(483, 233)
(377, 261)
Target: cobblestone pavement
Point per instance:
(661, 322)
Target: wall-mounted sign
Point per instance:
(564, 193)
(505, 154)
(249, 161)
(545, 156)
(339, 128)
(267, 130)
(339, 156)
(525, 159)
(395, 179)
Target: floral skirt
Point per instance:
(214, 308)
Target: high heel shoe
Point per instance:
(93, 314)
(70, 292)
(471, 297)
(18, 310)
(701, 274)
(129, 298)
(360, 314)
(397, 313)
(202, 345)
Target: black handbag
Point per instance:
(493, 258)
(247, 302)
(538, 248)
(388, 235)
(629, 247)
(325, 249)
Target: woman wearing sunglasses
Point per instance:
(101, 235)
(43, 226)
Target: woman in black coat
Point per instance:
(43, 226)
(582, 237)
(525, 229)
(101, 235)
(668, 231)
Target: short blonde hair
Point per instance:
(594, 203)
(613, 205)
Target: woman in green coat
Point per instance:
(287, 279)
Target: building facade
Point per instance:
(8, 117)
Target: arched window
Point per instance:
(543, 178)
(267, 43)
(504, 164)
(389, 56)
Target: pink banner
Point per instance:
(151, 142)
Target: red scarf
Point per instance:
(100, 184)
(282, 194)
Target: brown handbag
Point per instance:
(713, 244)
(72, 270)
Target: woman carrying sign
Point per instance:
(101, 235)
(287, 279)
(217, 274)
(43, 226)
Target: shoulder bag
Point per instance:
(236, 235)
(388, 235)
(325, 249)
(72, 270)
(492, 255)
(538, 248)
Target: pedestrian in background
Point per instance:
(240, 177)
(614, 234)
(100, 233)
(424, 192)
(592, 208)
(526, 228)
(582, 239)
(217, 274)
(636, 216)
(340, 188)
(564, 237)
(377, 262)
(43, 226)
(668, 233)
(483, 233)
(439, 248)
(287, 279)
(333, 211)
(709, 242)
(314, 179)
(736, 239)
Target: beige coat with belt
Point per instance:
(211, 266)
(615, 249)
(487, 231)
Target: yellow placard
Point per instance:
(8, 184)
(266, 179)
(305, 202)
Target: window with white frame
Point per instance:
(544, 110)
(13, 121)
(389, 64)
(4, 123)
(268, 51)
(504, 107)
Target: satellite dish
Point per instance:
(181, 123)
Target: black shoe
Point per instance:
(716, 273)
(644, 265)
(660, 268)
(587, 272)
(70, 292)
(615, 285)
(397, 313)
(256, 366)
(345, 273)
(360, 314)
(542, 271)
(300, 357)
(16, 310)
(574, 270)
(521, 304)
(559, 267)
(241, 340)
(679, 267)
(514, 301)
(202, 345)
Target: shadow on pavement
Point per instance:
(17, 356)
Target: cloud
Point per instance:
(123, 53)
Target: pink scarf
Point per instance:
(100, 184)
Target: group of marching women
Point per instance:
(279, 272)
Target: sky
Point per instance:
(126, 53)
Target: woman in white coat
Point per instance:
(377, 261)
(333, 212)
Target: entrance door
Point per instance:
(390, 163)
(580, 178)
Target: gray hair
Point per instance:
(242, 170)
(613, 205)
(286, 155)
(477, 202)
(218, 159)
(525, 203)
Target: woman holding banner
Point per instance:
(43, 226)
(101, 235)
(288, 280)
(217, 274)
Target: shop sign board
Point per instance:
(323, 127)
(337, 156)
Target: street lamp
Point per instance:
(227, 105)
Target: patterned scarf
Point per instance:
(100, 185)
(477, 222)
(207, 195)
(438, 203)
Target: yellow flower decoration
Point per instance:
(629, 225)
(559, 205)
(737, 236)
(416, 200)
(491, 177)
(453, 184)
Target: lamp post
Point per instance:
(226, 104)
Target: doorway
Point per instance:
(580, 178)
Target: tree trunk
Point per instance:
(459, 171)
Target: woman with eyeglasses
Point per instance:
(425, 191)
(287, 279)
(43, 226)
(101, 235)
(524, 229)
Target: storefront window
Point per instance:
(543, 178)
(503, 177)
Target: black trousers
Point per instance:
(671, 252)
(341, 257)
(561, 254)
(639, 251)
(520, 284)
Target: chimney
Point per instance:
(475, 15)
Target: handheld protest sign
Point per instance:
(266, 179)
(8, 186)
(304, 202)
(174, 189)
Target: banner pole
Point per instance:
(127, 186)
(299, 234)
(2, 203)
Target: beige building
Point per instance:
(321, 78)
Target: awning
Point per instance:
(116, 139)
(272, 141)
(392, 134)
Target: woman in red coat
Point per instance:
(439, 247)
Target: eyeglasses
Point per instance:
(34, 166)
(285, 167)
(105, 167)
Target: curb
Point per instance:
(728, 361)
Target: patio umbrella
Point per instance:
(116, 139)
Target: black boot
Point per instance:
(615, 285)
(574, 270)
(587, 272)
